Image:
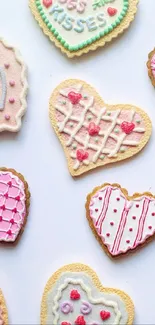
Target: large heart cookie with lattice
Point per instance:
(120, 222)
(93, 133)
(3, 311)
(74, 295)
(13, 88)
(14, 205)
(77, 26)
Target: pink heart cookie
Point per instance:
(93, 133)
(96, 304)
(13, 88)
(121, 222)
(14, 205)
(3, 311)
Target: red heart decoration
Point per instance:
(112, 11)
(81, 154)
(80, 321)
(105, 314)
(93, 129)
(47, 3)
(127, 127)
(74, 295)
(65, 323)
(74, 97)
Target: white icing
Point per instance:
(4, 89)
(124, 228)
(88, 106)
(74, 37)
(99, 301)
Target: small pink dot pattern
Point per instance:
(12, 206)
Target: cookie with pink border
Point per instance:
(151, 67)
(120, 222)
(13, 88)
(74, 295)
(3, 311)
(14, 205)
(92, 132)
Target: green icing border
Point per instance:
(89, 41)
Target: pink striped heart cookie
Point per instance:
(3, 311)
(92, 132)
(151, 67)
(13, 88)
(14, 205)
(74, 295)
(120, 222)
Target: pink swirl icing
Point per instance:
(86, 308)
(66, 307)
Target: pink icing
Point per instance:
(12, 206)
(153, 65)
(131, 225)
(12, 70)
(93, 130)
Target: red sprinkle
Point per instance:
(96, 210)
(14, 210)
(80, 321)
(74, 295)
(118, 199)
(150, 227)
(105, 314)
(17, 198)
(137, 205)
(130, 229)
(108, 235)
(115, 210)
(112, 223)
(6, 195)
(127, 241)
(153, 214)
(134, 218)
(112, 11)
(3, 207)
(100, 198)
(9, 232)
(10, 183)
(12, 221)
(1, 218)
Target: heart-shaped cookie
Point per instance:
(151, 67)
(13, 88)
(120, 222)
(3, 311)
(95, 305)
(77, 26)
(14, 205)
(93, 133)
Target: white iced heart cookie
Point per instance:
(120, 222)
(13, 88)
(77, 26)
(93, 133)
(3, 311)
(75, 296)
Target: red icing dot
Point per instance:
(108, 235)
(137, 205)
(1, 218)
(134, 217)
(11, 100)
(96, 210)
(112, 11)
(74, 97)
(6, 195)
(10, 183)
(80, 321)
(127, 127)
(14, 210)
(65, 323)
(47, 3)
(112, 223)
(3, 207)
(130, 229)
(9, 232)
(74, 295)
(150, 227)
(115, 210)
(81, 155)
(105, 314)
(93, 129)
(153, 214)
(17, 198)
(12, 221)
(127, 241)
(118, 199)
(100, 198)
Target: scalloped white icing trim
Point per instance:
(23, 95)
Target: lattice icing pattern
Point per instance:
(75, 300)
(122, 224)
(93, 134)
(12, 206)
(13, 88)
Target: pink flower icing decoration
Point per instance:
(127, 127)
(74, 97)
(93, 129)
(82, 155)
